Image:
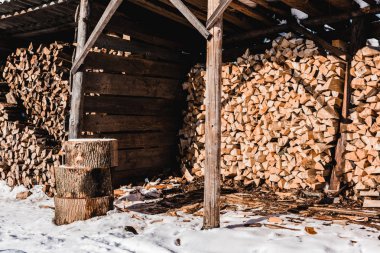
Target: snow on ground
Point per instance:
(26, 226)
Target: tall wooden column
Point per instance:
(213, 122)
(77, 79)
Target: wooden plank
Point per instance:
(306, 6)
(213, 122)
(217, 13)
(107, 15)
(143, 163)
(267, 5)
(77, 79)
(134, 66)
(120, 123)
(138, 48)
(141, 139)
(126, 85)
(135, 159)
(120, 105)
(191, 18)
(320, 20)
(251, 13)
(341, 4)
(121, 24)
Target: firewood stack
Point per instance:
(84, 185)
(39, 78)
(33, 103)
(362, 157)
(279, 117)
(28, 154)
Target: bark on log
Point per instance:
(70, 210)
(83, 182)
(91, 153)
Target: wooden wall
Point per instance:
(136, 99)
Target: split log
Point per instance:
(68, 210)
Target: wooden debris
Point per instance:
(23, 195)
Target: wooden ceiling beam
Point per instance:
(218, 13)
(308, 22)
(343, 5)
(246, 10)
(269, 7)
(161, 11)
(45, 6)
(303, 5)
(191, 18)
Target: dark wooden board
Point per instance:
(139, 48)
(134, 66)
(120, 105)
(120, 123)
(127, 85)
(142, 139)
(144, 158)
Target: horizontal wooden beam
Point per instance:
(217, 14)
(107, 15)
(308, 22)
(191, 18)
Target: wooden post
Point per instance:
(358, 40)
(77, 79)
(213, 122)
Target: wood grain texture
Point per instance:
(81, 182)
(77, 80)
(119, 105)
(213, 122)
(105, 18)
(91, 153)
(129, 85)
(70, 210)
(133, 66)
(121, 123)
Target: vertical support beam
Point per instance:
(213, 121)
(358, 40)
(76, 109)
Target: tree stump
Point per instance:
(69, 210)
(84, 184)
(91, 153)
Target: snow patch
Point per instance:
(361, 3)
(7, 192)
(328, 28)
(373, 42)
(299, 14)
